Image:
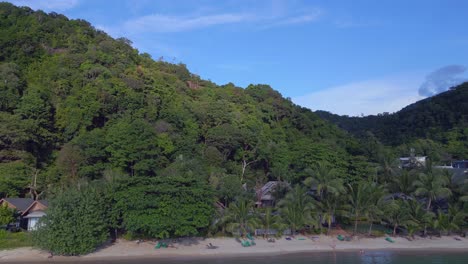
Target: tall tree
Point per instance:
(432, 185)
(297, 209)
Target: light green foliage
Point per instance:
(6, 215)
(10, 240)
(76, 222)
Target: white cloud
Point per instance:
(162, 23)
(442, 79)
(365, 97)
(47, 5)
(295, 20)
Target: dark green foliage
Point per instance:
(164, 207)
(442, 119)
(75, 102)
(76, 222)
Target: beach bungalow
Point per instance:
(412, 162)
(28, 211)
(265, 194)
(34, 212)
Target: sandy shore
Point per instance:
(230, 247)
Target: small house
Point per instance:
(265, 194)
(28, 211)
(34, 212)
(413, 162)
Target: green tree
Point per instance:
(432, 185)
(6, 215)
(76, 222)
(297, 209)
(364, 200)
(162, 207)
(325, 180)
(240, 217)
(271, 221)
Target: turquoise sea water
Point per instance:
(369, 257)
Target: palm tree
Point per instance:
(296, 208)
(331, 205)
(388, 166)
(402, 183)
(418, 217)
(270, 221)
(240, 217)
(396, 214)
(325, 179)
(432, 185)
(377, 203)
(359, 201)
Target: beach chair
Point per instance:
(245, 243)
(249, 236)
(160, 245)
(390, 240)
(340, 238)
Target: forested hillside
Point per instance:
(77, 105)
(439, 122)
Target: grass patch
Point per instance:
(10, 240)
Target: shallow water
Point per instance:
(369, 257)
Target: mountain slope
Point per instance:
(442, 118)
(78, 105)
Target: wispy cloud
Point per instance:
(442, 79)
(162, 23)
(297, 19)
(365, 97)
(47, 5)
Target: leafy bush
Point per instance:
(75, 223)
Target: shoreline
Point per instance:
(230, 248)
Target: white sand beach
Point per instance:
(230, 247)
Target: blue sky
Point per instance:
(347, 57)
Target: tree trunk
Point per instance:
(370, 228)
(355, 223)
(429, 204)
(394, 230)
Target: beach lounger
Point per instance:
(245, 243)
(249, 236)
(340, 238)
(160, 245)
(390, 240)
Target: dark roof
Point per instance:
(44, 202)
(21, 204)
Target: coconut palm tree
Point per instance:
(296, 208)
(240, 217)
(377, 203)
(418, 217)
(359, 202)
(402, 182)
(329, 207)
(270, 221)
(324, 179)
(396, 214)
(432, 185)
